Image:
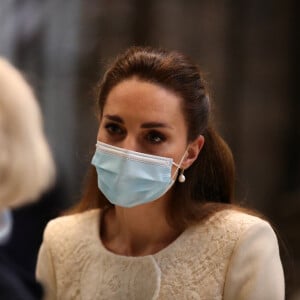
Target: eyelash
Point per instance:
(114, 129)
(153, 137)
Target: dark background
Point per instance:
(248, 51)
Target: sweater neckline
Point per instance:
(164, 251)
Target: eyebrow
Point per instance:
(114, 118)
(118, 119)
(155, 125)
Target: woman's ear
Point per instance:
(193, 151)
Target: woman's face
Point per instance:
(144, 117)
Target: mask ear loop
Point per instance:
(181, 177)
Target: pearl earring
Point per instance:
(181, 177)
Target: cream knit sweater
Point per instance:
(231, 256)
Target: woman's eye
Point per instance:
(155, 137)
(114, 129)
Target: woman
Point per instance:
(155, 221)
(26, 171)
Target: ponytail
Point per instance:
(209, 184)
(214, 171)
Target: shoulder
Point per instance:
(222, 231)
(254, 258)
(66, 227)
(225, 247)
(244, 230)
(251, 241)
(227, 228)
(235, 222)
(67, 245)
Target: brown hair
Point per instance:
(210, 180)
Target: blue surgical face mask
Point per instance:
(128, 178)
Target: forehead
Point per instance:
(135, 96)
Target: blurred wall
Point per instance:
(248, 51)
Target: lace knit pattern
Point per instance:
(192, 267)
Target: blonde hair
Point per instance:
(26, 164)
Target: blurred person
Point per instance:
(157, 219)
(29, 222)
(26, 169)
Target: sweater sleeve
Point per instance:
(255, 270)
(45, 272)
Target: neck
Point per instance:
(137, 231)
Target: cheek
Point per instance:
(177, 155)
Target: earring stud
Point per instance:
(181, 177)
